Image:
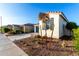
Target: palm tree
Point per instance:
(44, 17)
(52, 26)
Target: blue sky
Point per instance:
(28, 13)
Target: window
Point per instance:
(49, 24)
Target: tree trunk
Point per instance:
(41, 31)
(52, 34)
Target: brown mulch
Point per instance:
(46, 47)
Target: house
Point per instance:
(27, 28)
(9, 26)
(53, 24)
(14, 27)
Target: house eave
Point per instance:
(65, 19)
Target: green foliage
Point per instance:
(71, 25)
(6, 30)
(18, 31)
(76, 38)
(0, 29)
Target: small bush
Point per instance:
(13, 32)
(44, 37)
(18, 31)
(6, 30)
(76, 38)
(37, 36)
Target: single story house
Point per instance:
(27, 28)
(14, 27)
(53, 24)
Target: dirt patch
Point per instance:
(46, 47)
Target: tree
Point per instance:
(71, 25)
(44, 17)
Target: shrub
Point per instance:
(6, 30)
(37, 36)
(44, 37)
(76, 38)
(18, 31)
(71, 25)
(0, 29)
(13, 32)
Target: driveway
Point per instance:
(21, 36)
(8, 48)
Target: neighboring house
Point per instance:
(14, 27)
(9, 26)
(28, 28)
(55, 25)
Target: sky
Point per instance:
(22, 13)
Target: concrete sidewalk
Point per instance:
(21, 36)
(8, 48)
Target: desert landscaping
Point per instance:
(37, 46)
